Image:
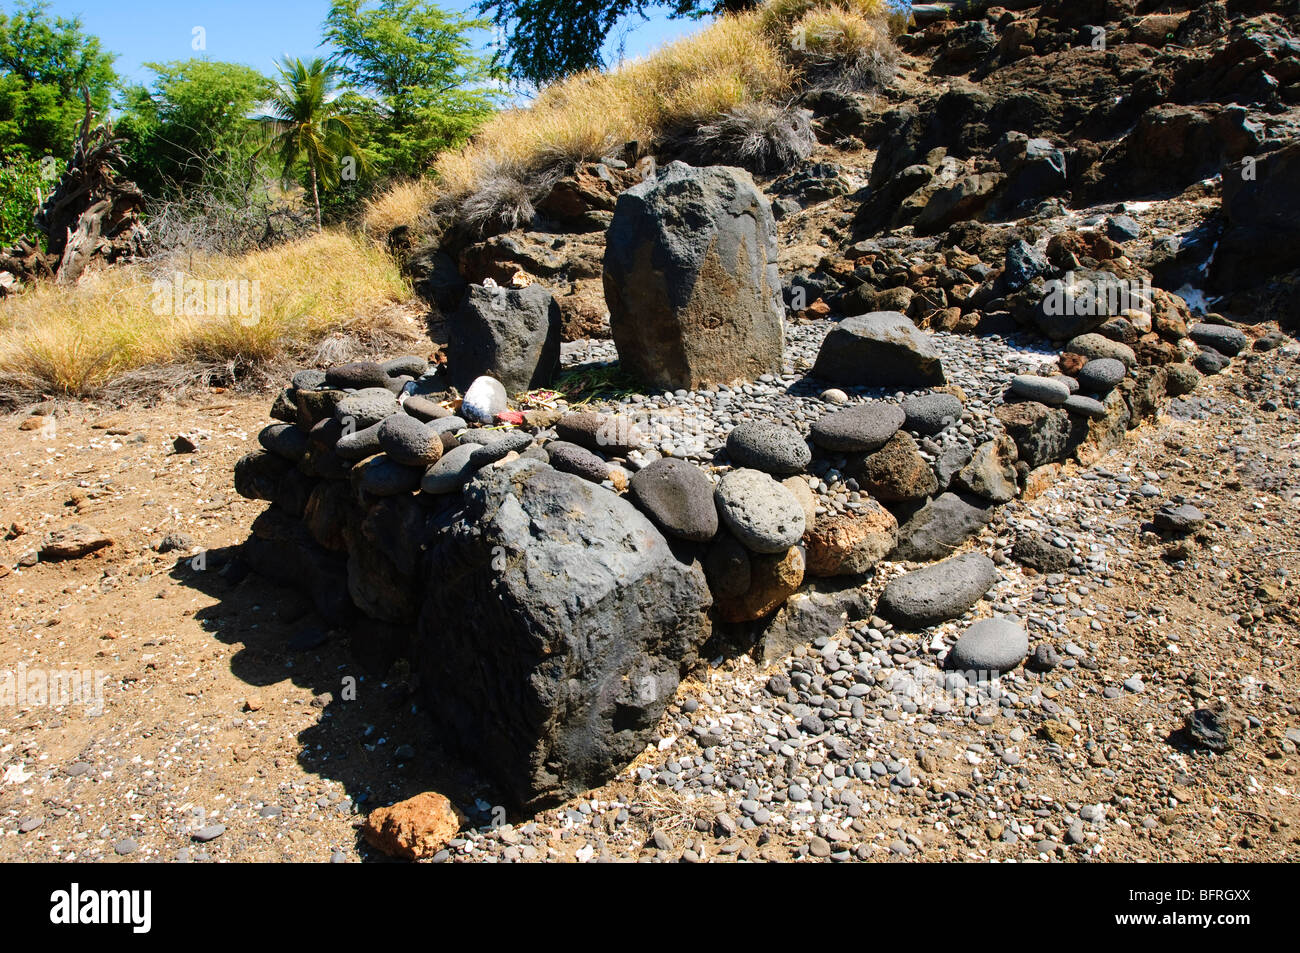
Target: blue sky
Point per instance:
(258, 32)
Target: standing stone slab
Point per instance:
(554, 631)
(511, 334)
(691, 280)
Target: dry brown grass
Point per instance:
(735, 62)
(121, 322)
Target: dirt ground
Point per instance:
(235, 725)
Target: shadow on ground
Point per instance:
(372, 735)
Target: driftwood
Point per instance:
(91, 214)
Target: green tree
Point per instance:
(193, 124)
(24, 183)
(45, 62)
(312, 127)
(415, 62)
(551, 39)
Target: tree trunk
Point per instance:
(315, 193)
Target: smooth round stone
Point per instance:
(1210, 361)
(452, 471)
(614, 434)
(284, 440)
(1045, 390)
(309, 378)
(357, 375)
(407, 365)
(833, 395)
(409, 442)
(1102, 374)
(858, 429)
(1085, 406)
(365, 407)
(485, 399)
(571, 458)
(422, 408)
(990, 645)
(930, 414)
(380, 476)
(504, 442)
(678, 498)
(762, 514)
(943, 590)
(1224, 339)
(447, 424)
(770, 447)
(359, 444)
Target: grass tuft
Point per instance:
(76, 340)
(726, 76)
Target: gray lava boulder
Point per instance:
(550, 685)
(510, 334)
(881, 349)
(935, 593)
(940, 526)
(768, 446)
(761, 513)
(691, 280)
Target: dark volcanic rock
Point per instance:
(881, 349)
(939, 527)
(510, 334)
(770, 447)
(552, 689)
(678, 497)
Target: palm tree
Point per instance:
(311, 126)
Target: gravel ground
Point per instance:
(228, 731)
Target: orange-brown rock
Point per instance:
(416, 828)
(851, 543)
(772, 580)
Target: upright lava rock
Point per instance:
(555, 628)
(691, 279)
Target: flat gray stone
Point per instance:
(939, 592)
(1085, 406)
(858, 429)
(1045, 390)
